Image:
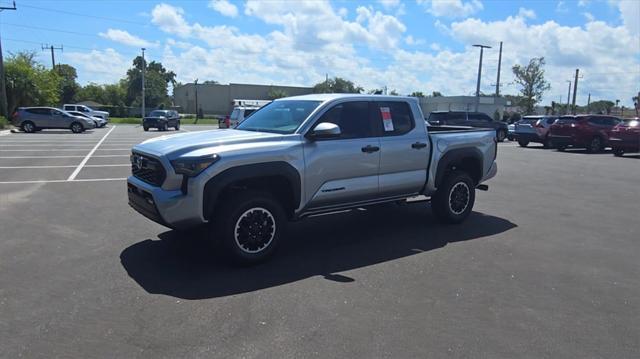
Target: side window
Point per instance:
(596, 121)
(39, 111)
(56, 113)
(456, 118)
(394, 118)
(479, 117)
(550, 121)
(352, 117)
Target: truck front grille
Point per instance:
(147, 169)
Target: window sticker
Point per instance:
(386, 119)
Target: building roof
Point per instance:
(333, 96)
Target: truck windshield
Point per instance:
(279, 116)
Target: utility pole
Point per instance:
(195, 85)
(589, 103)
(3, 85)
(499, 64)
(143, 68)
(568, 97)
(575, 89)
(482, 47)
(53, 57)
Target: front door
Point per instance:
(343, 170)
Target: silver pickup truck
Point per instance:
(303, 156)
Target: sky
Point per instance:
(407, 46)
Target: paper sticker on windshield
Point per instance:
(386, 119)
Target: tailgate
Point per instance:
(525, 126)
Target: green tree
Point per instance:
(92, 92)
(337, 85)
(531, 79)
(157, 80)
(68, 86)
(417, 94)
(210, 82)
(394, 93)
(436, 94)
(375, 92)
(276, 94)
(602, 107)
(29, 83)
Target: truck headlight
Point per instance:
(192, 166)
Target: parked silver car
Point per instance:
(32, 119)
(534, 129)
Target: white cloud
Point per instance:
(224, 7)
(389, 4)
(170, 19)
(561, 7)
(630, 15)
(527, 13)
(126, 38)
(565, 48)
(589, 16)
(410, 40)
(452, 8)
(99, 66)
(583, 3)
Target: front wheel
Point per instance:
(76, 127)
(547, 143)
(145, 128)
(177, 127)
(523, 143)
(250, 226)
(501, 135)
(28, 127)
(618, 152)
(453, 202)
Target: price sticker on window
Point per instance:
(386, 119)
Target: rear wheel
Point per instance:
(177, 127)
(595, 145)
(561, 148)
(618, 152)
(252, 224)
(547, 143)
(501, 135)
(145, 128)
(76, 127)
(454, 199)
(523, 143)
(28, 126)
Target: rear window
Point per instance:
(529, 120)
(566, 120)
(438, 117)
(395, 117)
(39, 111)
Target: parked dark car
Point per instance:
(471, 119)
(534, 129)
(582, 131)
(625, 137)
(162, 120)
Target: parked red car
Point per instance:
(625, 137)
(582, 131)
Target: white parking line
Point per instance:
(61, 166)
(63, 181)
(84, 161)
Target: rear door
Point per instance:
(41, 117)
(343, 170)
(404, 149)
(60, 120)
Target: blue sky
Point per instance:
(404, 45)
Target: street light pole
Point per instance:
(482, 47)
(143, 68)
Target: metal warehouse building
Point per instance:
(216, 99)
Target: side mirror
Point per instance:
(325, 130)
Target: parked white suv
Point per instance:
(86, 110)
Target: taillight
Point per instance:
(14, 115)
(538, 125)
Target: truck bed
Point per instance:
(453, 129)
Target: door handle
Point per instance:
(370, 149)
(418, 145)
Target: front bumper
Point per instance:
(171, 208)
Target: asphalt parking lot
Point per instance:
(546, 266)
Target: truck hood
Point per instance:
(205, 142)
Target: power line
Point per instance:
(85, 15)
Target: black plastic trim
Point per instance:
(457, 156)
